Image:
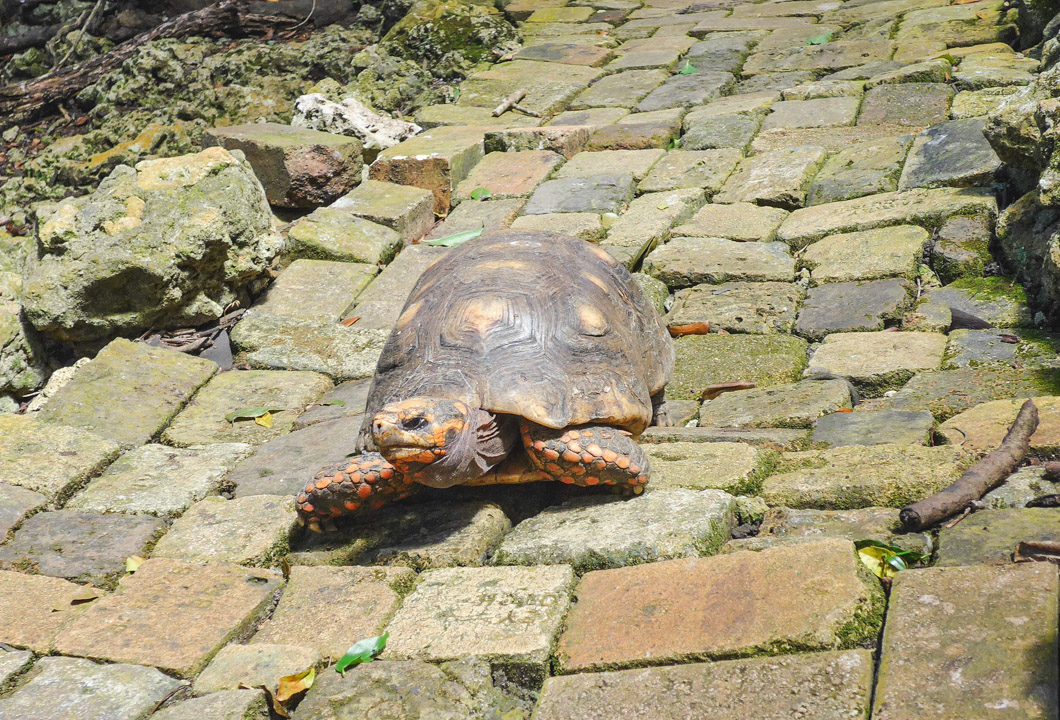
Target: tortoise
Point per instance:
(517, 357)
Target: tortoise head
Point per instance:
(437, 442)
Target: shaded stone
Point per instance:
(779, 179)
(852, 307)
(254, 665)
(315, 289)
(870, 167)
(732, 467)
(86, 547)
(685, 261)
(870, 523)
(328, 609)
(975, 348)
(635, 136)
(15, 504)
(381, 303)
(636, 163)
(739, 221)
(962, 247)
(739, 307)
(777, 600)
(981, 429)
(704, 360)
(592, 533)
(1026, 484)
(587, 226)
(50, 459)
(948, 392)
(911, 104)
(687, 90)
(936, 70)
(33, 608)
(827, 686)
(824, 112)
(867, 255)
(347, 400)
(72, 687)
(507, 616)
(882, 427)
(565, 53)
(509, 174)
(224, 705)
(878, 361)
(566, 140)
(828, 56)
(982, 71)
(619, 90)
(403, 208)
(723, 131)
(490, 215)
(330, 233)
(298, 167)
(860, 476)
(436, 160)
(203, 420)
(128, 392)
(990, 643)
(790, 405)
(700, 169)
(647, 222)
(778, 439)
(599, 193)
(997, 300)
(171, 614)
(990, 536)
(951, 153)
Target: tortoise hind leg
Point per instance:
(660, 415)
(353, 485)
(587, 455)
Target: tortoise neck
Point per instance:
(483, 444)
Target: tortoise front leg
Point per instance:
(353, 485)
(587, 455)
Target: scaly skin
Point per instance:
(359, 484)
(588, 455)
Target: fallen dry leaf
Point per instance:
(350, 320)
(700, 328)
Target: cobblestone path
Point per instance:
(811, 178)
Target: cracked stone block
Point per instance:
(564, 139)
(824, 89)
(954, 153)
(990, 647)
(991, 538)
(381, 303)
(77, 688)
(826, 686)
(780, 599)
(315, 289)
(738, 221)
(585, 225)
(436, 160)
(687, 91)
(636, 163)
(636, 135)
(405, 209)
(985, 70)
(50, 459)
(33, 608)
(868, 168)
(236, 666)
(824, 112)
(252, 530)
(792, 405)
(704, 360)
(981, 429)
(203, 420)
(859, 476)
(647, 222)
(733, 467)
(880, 427)
(929, 71)
(506, 616)
(759, 308)
(878, 361)
(778, 179)
(171, 614)
(128, 392)
(328, 609)
(867, 255)
(597, 194)
(686, 261)
(330, 233)
(591, 117)
(700, 169)
(733, 132)
(912, 104)
(853, 307)
(85, 547)
(15, 504)
(592, 533)
(224, 705)
(509, 174)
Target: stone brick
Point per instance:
(992, 535)
(704, 360)
(566, 140)
(778, 179)
(700, 169)
(594, 117)
(12, 662)
(585, 225)
(549, 89)
(729, 24)
(297, 167)
(203, 420)
(790, 405)
(962, 247)
(381, 303)
(15, 504)
(597, 194)
(490, 215)
(978, 103)
(853, 307)
(53, 460)
(959, 25)
(622, 90)
(647, 222)
(777, 439)
(778, 600)
(635, 136)
(331, 233)
(684, 261)
(872, 523)
(561, 14)
(509, 174)
(895, 251)
(760, 308)
(869, 167)
(982, 428)
(733, 467)
(824, 89)
(171, 614)
(403, 208)
(316, 289)
(828, 57)
(436, 160)
(328, 609)
(954, 153)
(224, 705)
(609, 162)
(33, 608)
(128, 392)
(564, 53)
(254, 665)
(687, 91)
(997, 300)
(432, 116)
(959, 640)
(824, 112)
(878, 361)
(913, 104)
(890, 427)
(739, 221)
(644, 59)
(948, 392)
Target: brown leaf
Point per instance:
(81, 120)
(350, 321)
(700, 328)
(291, 685)
(722, 331)
(712, 391)
(1010, 339)
(845, 410)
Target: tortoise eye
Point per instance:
(413, 423)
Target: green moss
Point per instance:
(992, 288)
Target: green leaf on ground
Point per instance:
(674, 144)
(688, 69)
(481, 194)
(819, 39)
(252, 413)
(340, 403)
(886, 560)
(457, 239)
(361, 652)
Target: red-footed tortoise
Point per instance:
(511, 347)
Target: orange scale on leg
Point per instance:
(594, 450)
(574, 434)
(634, 469)
(302, 498)
(577, 470)
(574, 446)
(571, 457)
(622, 462)
(590, 480)
(386, 474)
(323, 483)
(567, 479)
(610, 455)
(539, 445)
(553, 468)
(364, 491)
(551, 454)
(587, 458)
(308, 507)
(599, 464)
(351, 505)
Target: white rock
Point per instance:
(351, 117)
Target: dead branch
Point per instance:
(712, 391)
(980, 479)
(509, 102)
(1037, 551)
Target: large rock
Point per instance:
(169, 244)
(21, 356)
(1027, 232)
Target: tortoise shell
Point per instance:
(543, 326)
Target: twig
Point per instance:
(980, 479)
(526, 110)
(80, 35)
(509, 102)
(712, 391)
(312, 9)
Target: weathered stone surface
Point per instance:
(728, 24)
(328, 609)
(778, 439)
(733, 131)
(912, 104)
(988, 70)
(974, 348)
(1026, 484)
(432, 116)
(252, 530)
(170, 244)
(13, 662)
(33, 608)
(686, 261)
(834, 139)
(868, 168)
(732, 467)
(509, 174)
(86, 547)
(649, 133)
(315, 289)
(507, 616)
(592, 533)
(297, 167)
(915, 207)
(739, 221)
(878, 361)
(824, 89)
(979, 103)
(959, 25)
(203, 420)
(867, 255)
(636, 163)
(77, 688)
(992, 535)
(490, 215)
(644, 59)
(598, 194)
(827, 686)
(547, 91)
(585, 225)
(961, 640)
(331, 233)
(829, 56)
(774, 601)
(347, 400)
(852, 307)
(739, 307)
(564, 52)
(687, 90)
(591, 117)
(700, 169)
(824, 112)
(436, 160)
(159, 480)
(872, 523)
(948, 392)
(171, 614)
(952, 153)
(620, 90)
(882, 427)
(779, 178)
(936, 70)
(982, 428)
(128, 392)
(22, 358)
(997, 300)
(704, 360)
(380, 304)
(224, 705)
(862, 476)
(405, 209)
(15, 504)
(253, 665)
(565, 140)
(561, 14)
(50, 459)
(774, 82)
(790, 405)
(962, 247)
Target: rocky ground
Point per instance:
(820, 181)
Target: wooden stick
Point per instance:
(980, 479)
(509, 102)
(712, 391)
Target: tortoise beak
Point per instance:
(393, 441)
